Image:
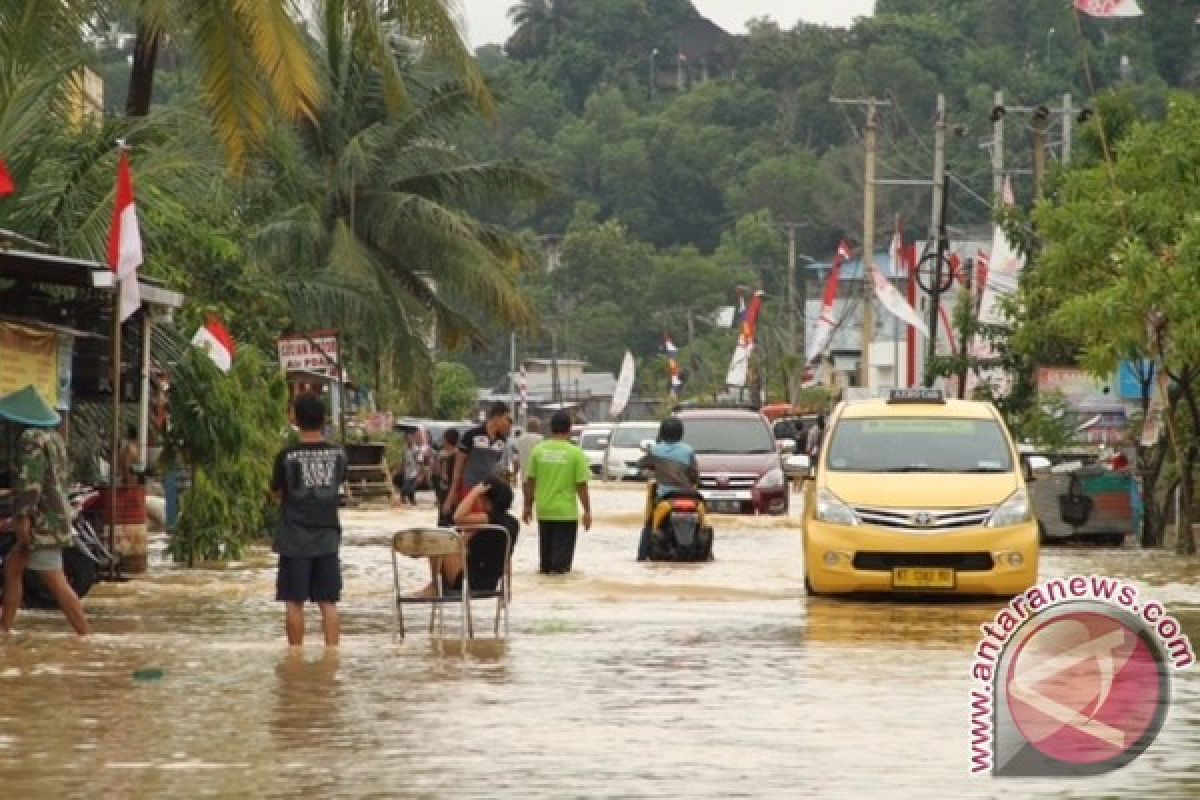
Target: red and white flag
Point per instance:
(7, 186)
(740, 363)
(826, 323)
(889, 296)
(1109, 8)
(214, 338)
(125, 241)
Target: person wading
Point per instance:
(557, 474)
(43, 516)
(306, 481)
(480, 456)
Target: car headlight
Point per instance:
(772, 479)
(1012, 511)
(832, 510)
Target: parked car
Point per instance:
(625, 450)
(740, 467)
(593, 441)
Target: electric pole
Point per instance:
(1067, 114)
(998, 114)
(791, 301)
(868, 326)
(1041, 119)
(869, 183)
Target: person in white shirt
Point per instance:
(524, 446)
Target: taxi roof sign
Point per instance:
(916, 396)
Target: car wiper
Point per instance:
(983, 469)
(910, 468)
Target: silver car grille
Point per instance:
(728, 480)
(921, 521)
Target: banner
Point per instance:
(889, 296)
(740, 362)
(624, 387)
(1109, 8)
(30, 358)
(314, 352)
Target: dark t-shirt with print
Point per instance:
(485, 456)
(308, 475)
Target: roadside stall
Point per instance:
(57, 335)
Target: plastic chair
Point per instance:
(431, 542)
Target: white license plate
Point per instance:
(721, 495)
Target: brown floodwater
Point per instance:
(622, 679)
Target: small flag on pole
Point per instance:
(7, 186)
(125, 241)
(669, 346)
(214, 338)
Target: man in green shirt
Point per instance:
(557, 474)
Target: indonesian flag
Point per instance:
(1109, 8)
(215, 339)
(740, 363)
(889, 296)
(826, 323)
(7, 186)
(125, 242)
(669, 346)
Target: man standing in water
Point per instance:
(557, 473)
(480, 457)
(43, 517)
(307, 477)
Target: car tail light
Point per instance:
(683, 504)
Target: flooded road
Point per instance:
(620, 680)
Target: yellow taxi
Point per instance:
(918, 493)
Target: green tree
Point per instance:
(1119, 265)
(453, 391)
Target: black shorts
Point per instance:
(317, 579)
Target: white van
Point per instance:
(624, 450)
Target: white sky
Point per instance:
(487, 20)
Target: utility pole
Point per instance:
(1041, 119)
(1067, 114)
(791, 301)
(868, 326)
(869, 183)
(998, 114)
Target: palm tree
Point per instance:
(253, 57)
(535, 21)
(376, 236)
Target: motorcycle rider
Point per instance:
(673, 462)
(42, 517)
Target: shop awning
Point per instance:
(26, 407)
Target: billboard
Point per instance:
(309, 352)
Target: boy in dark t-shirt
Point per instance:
(307, 477)
(480, 455)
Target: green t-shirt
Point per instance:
(557, 467)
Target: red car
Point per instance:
(740, 467)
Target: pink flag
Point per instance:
(216, 340)
(125, 241)
(1109, 8)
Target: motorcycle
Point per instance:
(678, 525)
(83, 561)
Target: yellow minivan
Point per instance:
(918, 493)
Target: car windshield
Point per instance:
(728, 435)
(594, 441)
(919, 444)
(633, 435)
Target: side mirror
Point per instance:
(1037, 467)
(785, 446)
(795, 465)
(646, 444)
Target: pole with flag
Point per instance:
(889, 296)
(740, 363)
(826, 322)
(624, 388)
(214, 338)
(124, 257)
